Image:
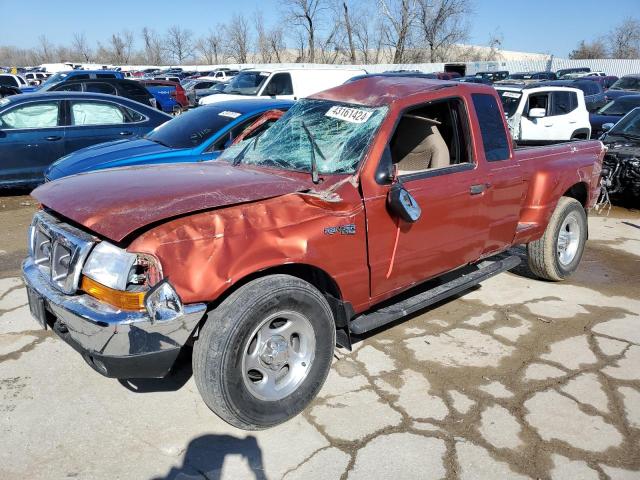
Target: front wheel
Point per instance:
(556, 254)
(265, 352)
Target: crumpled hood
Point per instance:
(106, 155)
(116, 202)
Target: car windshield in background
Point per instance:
(510, 101)
(628, 126)
(339, 135)
(626, 83)
(7, 81)
(192, 128)
(620, 107)
(57, 78)
(246, 83)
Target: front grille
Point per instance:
(59, 250)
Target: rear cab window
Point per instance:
(492, 130)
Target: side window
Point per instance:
(538, 100)
(494, 135)
(133, 89)
(574, 100)
(81, 76)
(562, 103)
(69, 87)
(105, 75)
(100, 88)
(133, 116)
(36, 115)
(280, 84)
(230, 136)
(95, 113)
(430, 137)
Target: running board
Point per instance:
(387, 314)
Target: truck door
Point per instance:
(279, 86)
(538, 129)
(503, 186)
(432, 154)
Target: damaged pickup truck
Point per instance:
(362, 204)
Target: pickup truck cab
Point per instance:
(543, 115)
(332, 222)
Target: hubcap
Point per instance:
(278, 355)
(568, 239)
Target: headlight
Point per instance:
(119, 277)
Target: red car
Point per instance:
(170, 96)
(362, 204)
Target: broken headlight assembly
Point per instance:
(120, 278)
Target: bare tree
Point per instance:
(121, 47)
(588, 50)
(179, 43)
(368, 37)
(262, 39)
(80, 48)
(153, 47)
(443, 24)
(276, 43)
(306, 14)
(44, 52)
(210, 46)
(400, 17)
(625, 39)
(238, 38)
(348, 26)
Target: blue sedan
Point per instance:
(37, 129)
(197, 135)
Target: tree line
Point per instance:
(623, 41)
(321, 31)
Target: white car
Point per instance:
(10, 80)
(282, 83)
(540, 115)
(35, 78)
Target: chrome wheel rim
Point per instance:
(568, 239)
(278, 355)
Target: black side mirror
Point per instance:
(385, 172)
(402, 204)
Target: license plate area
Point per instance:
(37, 308)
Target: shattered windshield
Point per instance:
(246, 83)
(341, 134)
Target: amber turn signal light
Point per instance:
(117, 298)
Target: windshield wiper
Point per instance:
(242, 153)
(314, 147)
(625, 135)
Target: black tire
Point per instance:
(222, 343)
(544, 259)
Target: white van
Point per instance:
(544, 114)
(282, 83)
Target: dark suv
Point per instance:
(130, 89)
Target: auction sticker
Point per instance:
(511, 94)
(227, 113)
(353, 115)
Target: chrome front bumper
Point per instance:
(117, 343)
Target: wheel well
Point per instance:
(579, 192)
(581, 134)
(314, 275)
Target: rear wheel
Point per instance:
(557, 254)
(265, 352)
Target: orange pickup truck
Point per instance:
(362, 204)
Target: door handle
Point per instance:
(479, 188)
(126, 134)
(53, 138)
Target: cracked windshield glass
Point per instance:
(336, 134)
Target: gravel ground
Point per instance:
(517, 378)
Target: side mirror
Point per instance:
(607, 126)
(537, 113)
(402, 204)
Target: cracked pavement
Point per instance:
(517, 378)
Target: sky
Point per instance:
(553, 27)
